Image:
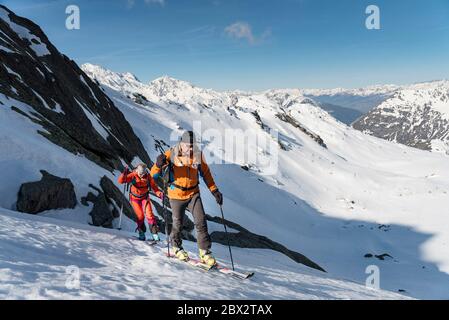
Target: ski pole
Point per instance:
(125, 187)
(164, 206)
(121, 210)
(167, 235)
(164, 209)
(227, 236)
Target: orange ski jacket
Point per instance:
(184, 175)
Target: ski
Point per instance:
(233, 273)
(218, 267)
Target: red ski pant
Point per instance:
(142, 208)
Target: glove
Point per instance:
(161, 159)
(218, 197)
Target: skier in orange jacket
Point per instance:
(186, 163)
(139, 196)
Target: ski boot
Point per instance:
(142, 235)
(154, 232)
(206, 257)
(181, 254)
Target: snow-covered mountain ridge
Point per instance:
(417, 116)
(346, 105)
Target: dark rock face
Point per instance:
(403, 129)
(49, 193)
(259, 121)
(72, 110)
(102, 215)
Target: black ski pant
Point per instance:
(195, 206)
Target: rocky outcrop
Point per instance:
(107, 204)
(139, 99)
(103, 213)
(49, 193)
(289, 119)
(72, 110)
(259, 121)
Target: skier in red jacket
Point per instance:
(139, 196)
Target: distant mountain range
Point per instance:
(414, 115)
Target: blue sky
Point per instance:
(254, 44)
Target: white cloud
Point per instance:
(240, 30)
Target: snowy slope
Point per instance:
(356, 197)
(38, 255)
